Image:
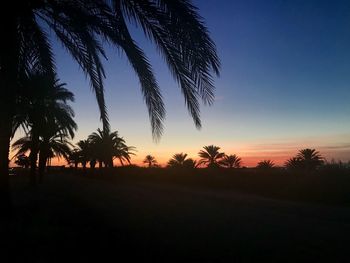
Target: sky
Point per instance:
(284, 85)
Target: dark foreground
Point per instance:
(86, 219)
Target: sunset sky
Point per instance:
(284, 85)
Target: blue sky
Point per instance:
(284, 85)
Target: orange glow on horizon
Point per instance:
(250, 155)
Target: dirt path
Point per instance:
(173, 223)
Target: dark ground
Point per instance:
(92, 219)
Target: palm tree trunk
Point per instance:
(42, 165)
(33, 156)
(110, 162)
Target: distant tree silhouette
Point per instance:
(150, 161)
(22, 160)
(74, 157)
(177, 160)
(265, 164)
(294, 163)
(306, 159)
(174, 26)
(180, 160)
(231, 161)
(210, 156)
(84, 151)
(108, 145)
(190, 163)
(310, 158)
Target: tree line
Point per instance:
(103, 147)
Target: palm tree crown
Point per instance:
(308, 159)
(180, 160)
(231, 161)
(210, 156)
(83, 27)
(265, 164)
(108, 145)
(150, 161)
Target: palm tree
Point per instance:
(83, 152)
(123, 153)
(108, 145)
(294, 163)
(231, 161)
(310, 158)
(74, 157)
(189, 164)
(180, 160)
(83, 27)
(177, 160)
(265, 164)
(55, 143)
(55, 146)
(210, 156)
(43, 109)
(22, 160)
(150, 160)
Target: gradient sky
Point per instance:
(284, 85)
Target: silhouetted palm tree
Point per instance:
(310, 158)
(177, 160)
(150, 161)
(55, 143)
(22, 160)
(294, 163)
(174, 26)
(42, 110)
(180, 160)
(74, 157)
(231, 161)
(108, 145)
(55, 146)
(189, 164)
(84, 151)
(123, 153)
(210, 156)
(265, 164)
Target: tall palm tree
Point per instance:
(83, 27)
(231, 161)
(43, 110)
(150, 161)
(310, 158)
(265, 164)
(210, 156)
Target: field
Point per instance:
(167, 215)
